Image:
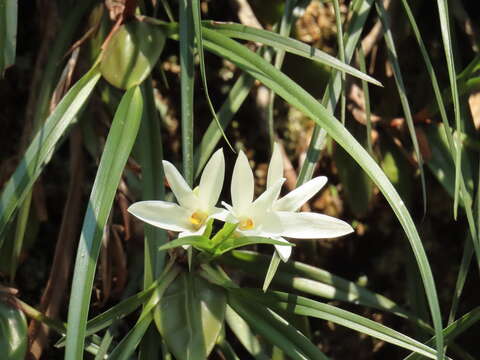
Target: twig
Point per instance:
(245, 13)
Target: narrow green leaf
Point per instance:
(125, 349)
(455, 329)
(104, 345)
(272, 270)
(360, 10)
(441, 163)
(447, 44)
(461, 277)
(8, 33)
(341, 56)
(149, 143)
(197, 22)
(311, 280)
(234, 242)
(227, 350)
(244, 334)
(191, 316)
(293, 46)
(274, 328)
(43, 145)
(397, 74)
(366, 95)
(303, 101)
(198, 241)
(236, 96)
(117, 149)
(187, 81)
(299, 305)
(290, 15)
(226, 231)
(20, 228)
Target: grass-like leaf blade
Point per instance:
(287, 44)
(120, 140)
(299, 305)
(303, 101)
(43, 145)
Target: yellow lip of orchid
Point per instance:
(197, 219)
(246, 224)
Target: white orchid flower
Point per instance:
(275, 218)
(253, 217)
(300, 225)
(194, 207)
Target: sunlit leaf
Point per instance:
(131, 54)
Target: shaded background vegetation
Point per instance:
(377, 255)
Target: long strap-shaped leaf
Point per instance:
(286, 44)
(41, 148)
(187, 83)
(455, 329)
(360, 10)
(300, 305)
(302, 100)
(274, 328)
(311, 280)
(117, 149)
(447, 44)
(402, 93)
(149, 143)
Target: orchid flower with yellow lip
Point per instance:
(300, 225)
(275, 218)
(253, 217)
(194, 207)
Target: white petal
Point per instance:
(275, 168)
(311, 225)
(183, 193)
(192, 232)
(242, 184)
(162, 214)
(211, 182)
(221, 214)
(270, 226)
(283, 251)
(265, 201)
(296, 198)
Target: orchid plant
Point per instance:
(192, 305)
(267, 219)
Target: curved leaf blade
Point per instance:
(119, 143)
(43, 145)
(285, 43)
(302, 100)
(299, 305)
(274, 328)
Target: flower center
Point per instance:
(246, 224)
(197, 219)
